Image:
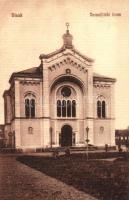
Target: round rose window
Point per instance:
(66, 91)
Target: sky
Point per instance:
(40, 30)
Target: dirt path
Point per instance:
(19, 182)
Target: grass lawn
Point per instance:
(102, 179)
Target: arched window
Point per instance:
(63, 108)
(101, 109)
(73, 108)
(66, 103)
(68, 108)
(58, 108)
(30, 106)
(27, 109)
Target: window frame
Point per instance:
(30, 97)
(101, 109)
(66, 108)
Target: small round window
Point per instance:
(66, 91)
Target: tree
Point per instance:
(127, 144)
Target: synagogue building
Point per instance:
(59, 103)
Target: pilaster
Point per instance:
(41, 113)
(17, 98)
(17, 114)
(46, 104)
(89, 107)
(113, 114)
(17, 133)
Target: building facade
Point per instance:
(122, 137)
(52, 104)
(2, 137)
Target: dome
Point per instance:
(67, 38)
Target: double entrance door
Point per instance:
(66, 136)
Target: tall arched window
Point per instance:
(68, 108)
(73, 108)
(101, 109)
(32, 110)
(30, 106)
(58, 108)
(27, 109)
(63, 108)
(66, 102)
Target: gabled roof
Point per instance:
(67, 44)
(98, 77)
(61, 50)
(29, 71)
(35, 72)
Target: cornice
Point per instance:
(25, 82)
(68, 61)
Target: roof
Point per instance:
(98, 77)
(34, 72)
(67, 44)
(61, 50)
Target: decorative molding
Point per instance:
(66, 52)
(30, 82)
(100, 97)
(102, 119)
(34, 118)
(66, 61)
(68, 71)
(29, 94)
(100, 85)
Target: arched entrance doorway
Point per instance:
(66, 136)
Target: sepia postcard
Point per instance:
(64, 100)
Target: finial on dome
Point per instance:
(67, 25)
(67, 37)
